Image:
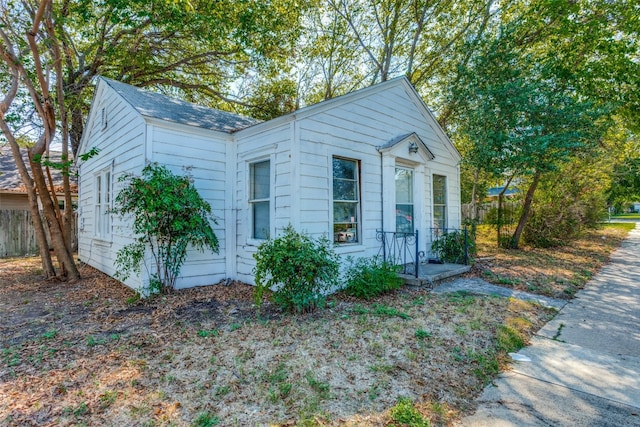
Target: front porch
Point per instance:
(429, 274)
(408, 251)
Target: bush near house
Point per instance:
(454, 247)
(369, 277)
(298, 269)
(168, 216)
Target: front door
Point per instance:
(405, 218)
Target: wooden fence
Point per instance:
(483, 209)
(17, 236)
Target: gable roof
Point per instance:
(10, 180)
(159, 106)
(402, 81)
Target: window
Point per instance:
(440, 201)
(259, 199)
(103, 118)
(346, 200)
(404, 200)
(103, 204)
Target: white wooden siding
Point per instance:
(275, 145)
(300, 147)
(121, 146)
(200, 154)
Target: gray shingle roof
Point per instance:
(162, 107)
(10, 177)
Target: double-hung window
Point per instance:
(103, 204)
(440, 202)
(404, 200)
(259, 199)
(346, 200)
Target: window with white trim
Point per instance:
(103, 204)
(259, 198)
(440, 202)
(346, 200)
(103, 118)
(404, 200)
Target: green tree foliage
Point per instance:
(196, 50)
(623, 150)
(168, 217)
(625, 188)
(353, 43)
(298, 269)
(570, 200)
(330, 64)
(523, 119)
(267, 97)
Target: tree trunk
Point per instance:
(474, 204)
(76, 129)
(8, 55)
(64, 256)
(526, 211)
(48, 269)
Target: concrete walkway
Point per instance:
(481, 287)
(583, 367)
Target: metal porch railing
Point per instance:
(400, 249)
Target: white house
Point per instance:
(375, 159)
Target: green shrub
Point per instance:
(168, 216)
(297, 268)
(369, 277)
(450, 247)
(567, 202)
(508, 216)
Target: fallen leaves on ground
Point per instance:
(90, 353)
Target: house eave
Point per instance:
(407, 139)
(167, 124)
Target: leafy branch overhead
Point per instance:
(168, 216)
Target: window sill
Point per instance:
(99, 241)
(255, 242)
(348, 248)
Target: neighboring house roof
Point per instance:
(495, 191)
(10, 180)
(159, 106)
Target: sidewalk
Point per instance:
(583, 367)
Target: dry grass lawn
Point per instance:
(556, 272)
(88, 353)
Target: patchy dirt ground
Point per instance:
(88, 353)
(555, 272)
